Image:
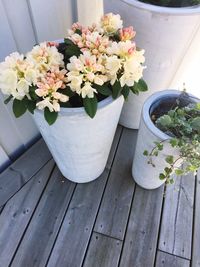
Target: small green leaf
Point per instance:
(116, 89)
(145, 153)
(90, 105)
(164, 121)
(162, 176)
(32, 92)
(19, 107)
(140, 86)
(31, 106)
(68, 41)
(179, 172)
(7, 100)
(125, 92)
(50, 117)
(103, 89)
(169, 159)
(78, 31)
(168, 170)
(171, 181)
(195, 123)
(72, 50)
(173, 142)
(67, 91)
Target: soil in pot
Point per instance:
(172, 3)
(162, 106)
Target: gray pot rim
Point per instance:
(181, 11)
(146, 111)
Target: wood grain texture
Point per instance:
(114, 210)
(167, 260)
(73, 238)
(196, 231)
(17, 213)
(42, 231)
(13, 178)
(142, 232)
(177, 219)
(103, 251)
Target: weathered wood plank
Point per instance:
(114, 210)
(103, 251)
(143, 227)
(18, 211)
(167, 260)
(45, 223)
(177, 219)
(196, 232)
(78, 223)
(13, 178)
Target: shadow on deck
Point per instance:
(46, 220)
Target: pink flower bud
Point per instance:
(127, 33)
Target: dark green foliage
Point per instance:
(183, 124)
(90, 105)
(50, 117)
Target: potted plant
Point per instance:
(168, 140)
(75, 89)
(166, 30)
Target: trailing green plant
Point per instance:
(172, 3)
(182, 124)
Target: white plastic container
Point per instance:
(143, 173)
(80, 145)
(165, 34)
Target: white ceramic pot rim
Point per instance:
(102, 104)
(146, 108)
(191, 10)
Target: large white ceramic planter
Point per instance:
(80, 145)
(143, 173)
(165, 34)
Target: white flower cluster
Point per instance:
(39, 67)
(104, 59)
(16, 75)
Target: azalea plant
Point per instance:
(182, 124)
(91, 64)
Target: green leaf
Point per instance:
(67, 91)
(173, 142)
(169, 159)
(164, 121)
(68, 41)
(116, 89)
(50, 117)
(179, 172)
(140, 86)
(167, 170)
(145, 153)
(7, 100)
(78, 31)
(196, 123)
(90, 105)
(162, 176)
(19, 107)
(32, 92)
(31, 106)
(125, 92)
(72, 50)
(103, 89)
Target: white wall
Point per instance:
(23, 23)
(188, 70)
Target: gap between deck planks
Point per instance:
(22, 170)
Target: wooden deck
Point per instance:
(45, 220)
